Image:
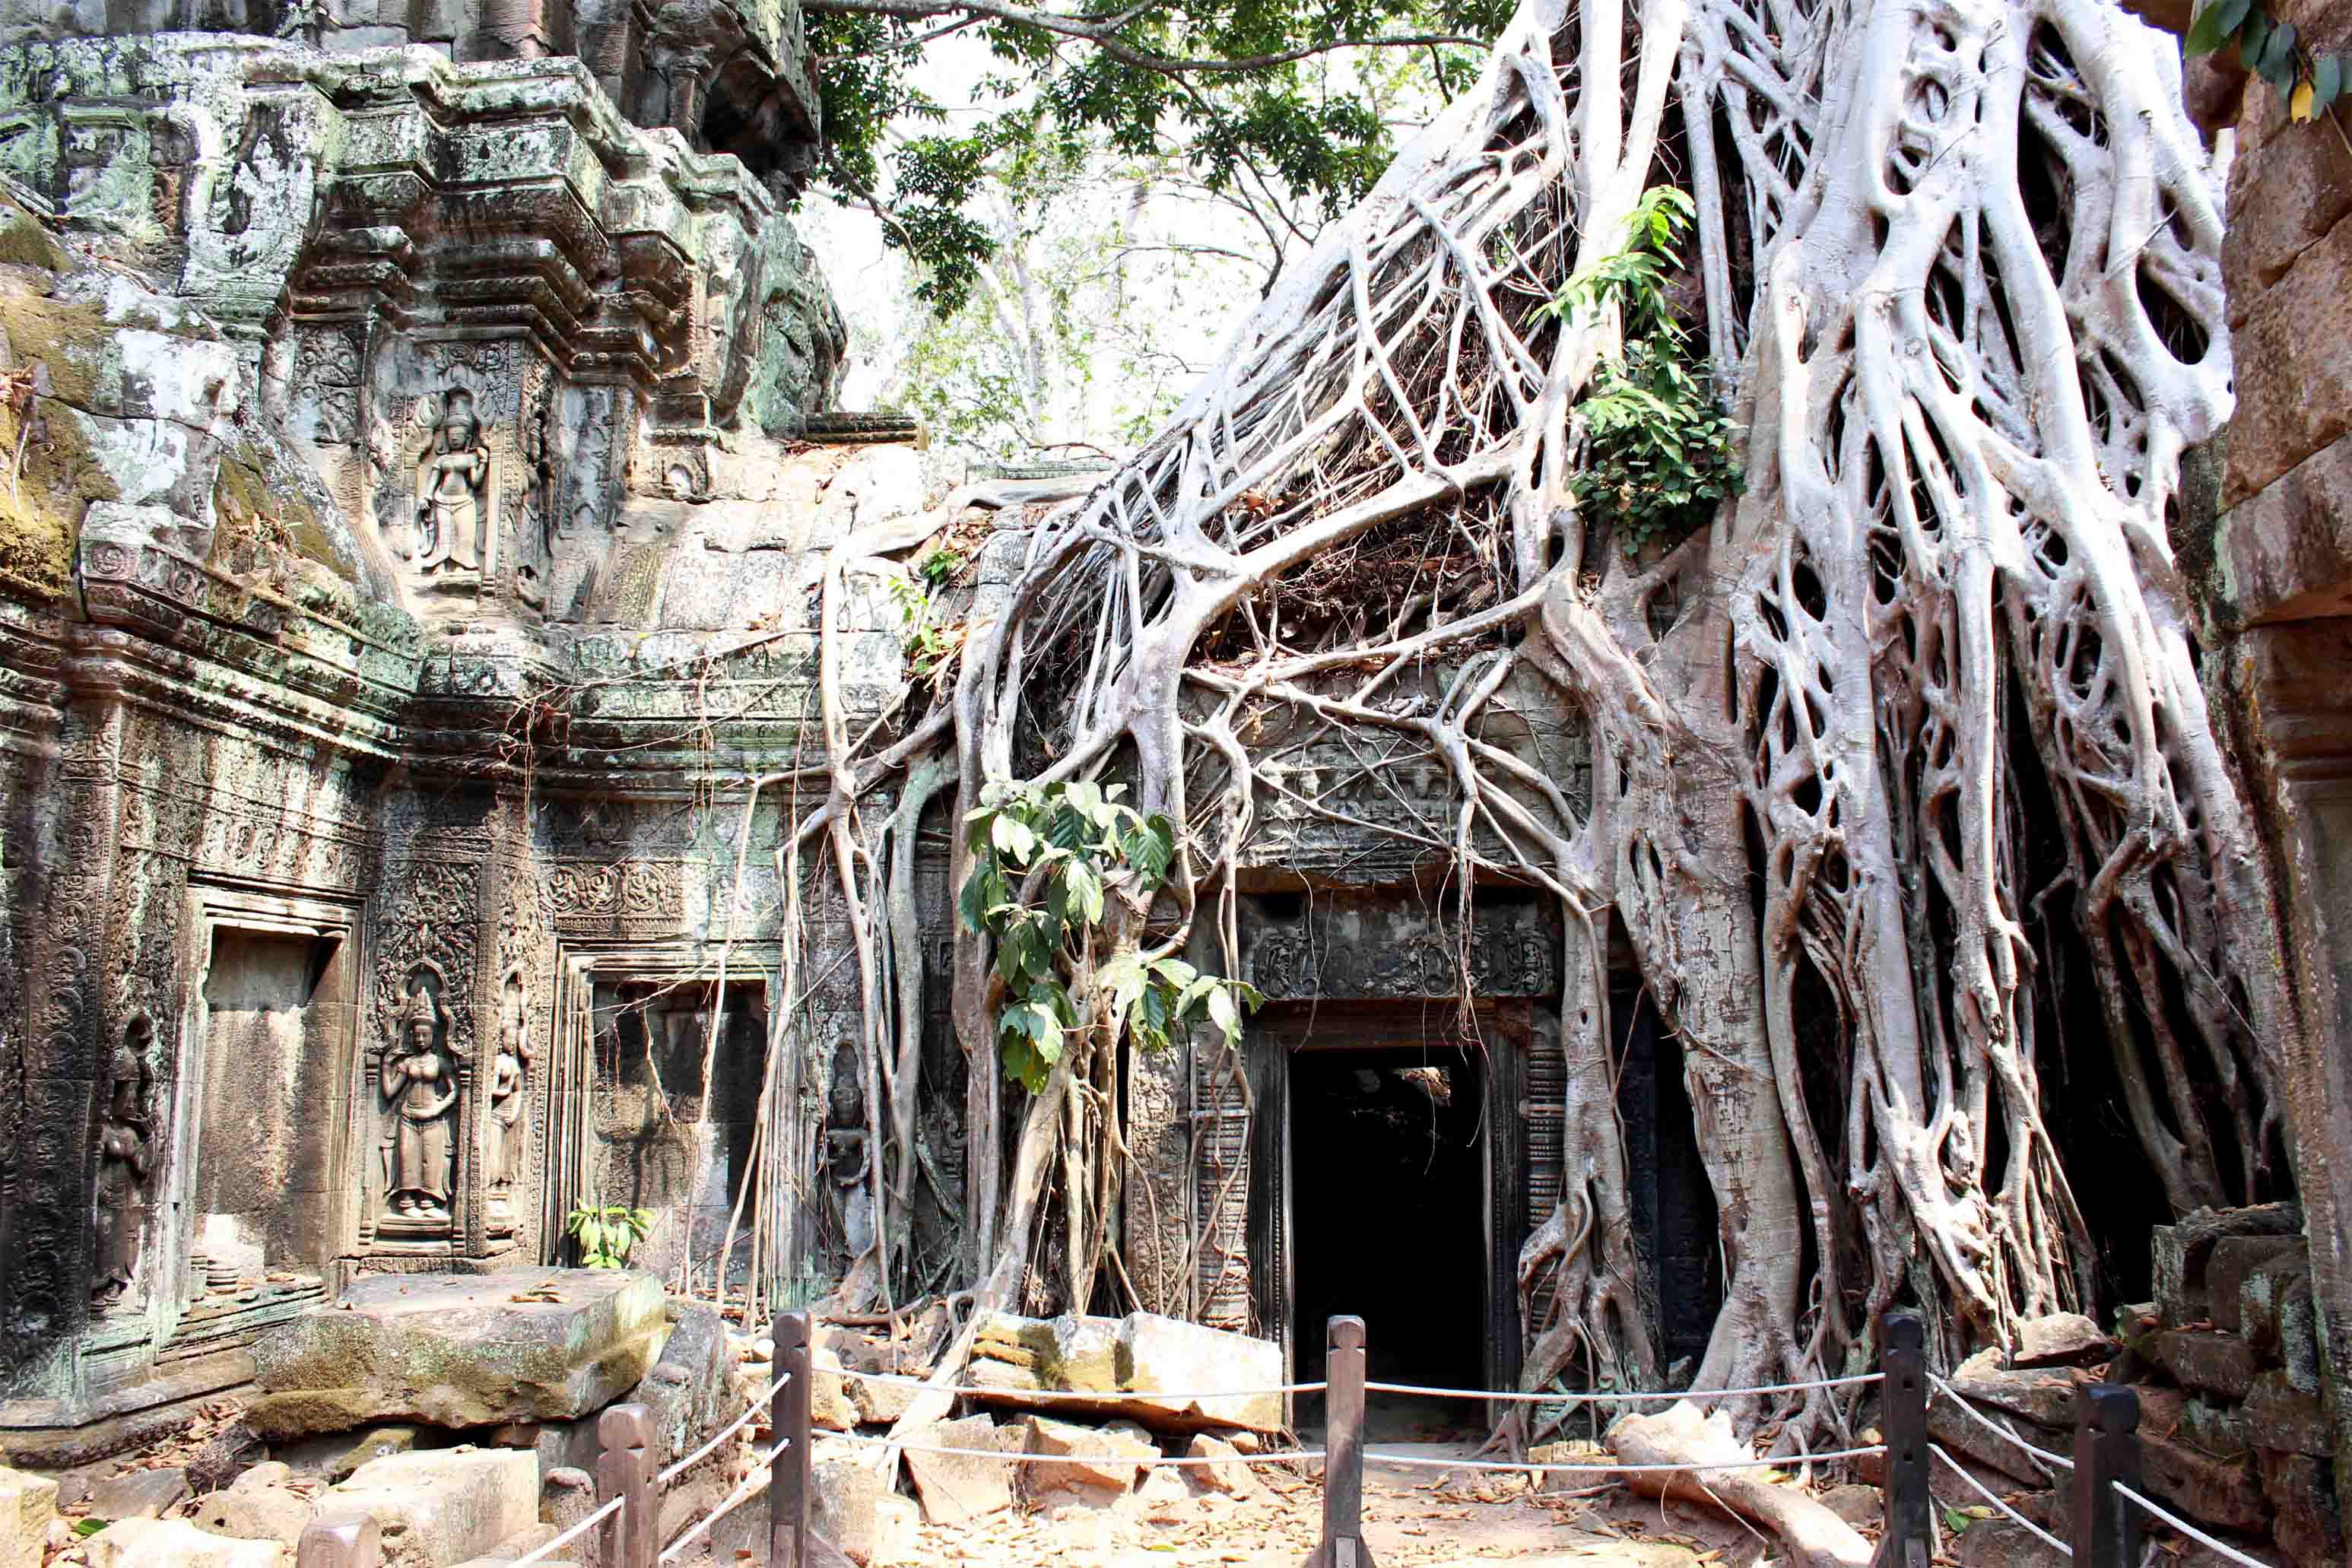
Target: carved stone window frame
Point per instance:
(337, 925)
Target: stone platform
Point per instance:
(460, 1351)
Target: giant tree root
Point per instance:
(1682, 1435)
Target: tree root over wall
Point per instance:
(1959, 261)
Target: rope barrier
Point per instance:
(759, 1408)
(1786, 1462)
(1543, 1397)
(542, 1554)
(1978, 1487)
(1155, 1461)
(2190, 1530)
(735, 1500)
(1095, 1395)
(1995, 1429)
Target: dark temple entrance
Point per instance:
(1389, 1219)
(1382, 1191)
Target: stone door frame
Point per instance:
(338, 927)
(581, 965)
(1505, 1030)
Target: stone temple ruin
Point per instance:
(465, 374)
(425, 466)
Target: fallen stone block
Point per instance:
(1087, 1459)
(896, 1522)
(829, 1406)
(953, 1487)
(2223, 1493)
(879, 1404)
(2220, 1429)
(518, 1546)
(2282, 1416)
(259, 1511)
(2044, 1398)
(2308, 1521)
(2180, 1252)
(459, 1351)
(142, 1494)
(2061, 1339)
(2209, 1360)
(27, 1503)
(1124, 1360)
(845, 1498)
(171, 1544)
(1963, 1438)
(443, 1506)
(1230, 1475)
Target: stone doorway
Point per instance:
(1387, 1184)
(1388, 1222)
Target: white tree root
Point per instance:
(1959, 260)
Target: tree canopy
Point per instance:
(1265, 99)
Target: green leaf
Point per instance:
(1012, 838)
(2206, 33)
(2326, 81)
(2252, 39)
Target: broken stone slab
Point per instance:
(1229, 1475)
(27, 1503)
(897, 1522)
(142, 1494)
(171, 1544)
(2044, 1398)
(459, 1351)
(1087, 1459)
(953, 1487)
(830, 1409)
(2059, 1339)
(443, 1506)
(1124, 1360)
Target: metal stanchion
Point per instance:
(338, 1541)
(2106, 1450)
(788, 1422)
(625, 1470)
(1903, 1418)
(1343, 1450)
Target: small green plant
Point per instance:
(930, 644)
(1080, 847)
(605, 1233)
(1660, 451)
(940, 567)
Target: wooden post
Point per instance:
(1343, 1450)
(2106, 1450)
(788, 1422)
(1903, 1418)
(625, 1469)
(338, 1541)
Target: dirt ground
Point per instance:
(1413, 1518)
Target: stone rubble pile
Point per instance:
(461, 1413)
(2226, 1364)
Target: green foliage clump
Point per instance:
(1079, 847)
(2312, 80)
(1661, 448)
(605, 1233)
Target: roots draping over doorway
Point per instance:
(1958, 263)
